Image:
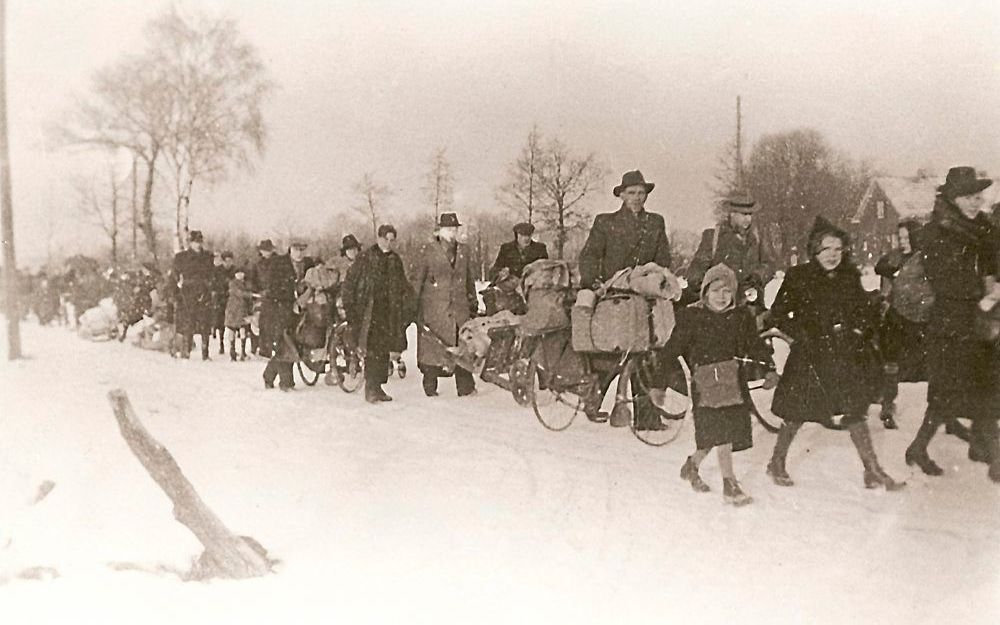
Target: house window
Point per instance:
(880, 209)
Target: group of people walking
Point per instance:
(938, 320)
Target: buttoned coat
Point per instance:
(445, 295)
(621, 239)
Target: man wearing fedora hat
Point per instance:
(960, 247)
(735, 243)
(515, 255)
(276, 283)
(628, 237)
(445, 292)
(193, 269)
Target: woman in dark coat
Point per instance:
(710, 332)
(901, 334)
(961, 258)
(378, 300)
(824, 309)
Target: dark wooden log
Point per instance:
(226, 555)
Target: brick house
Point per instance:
(888, 201)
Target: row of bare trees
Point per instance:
(185, 110)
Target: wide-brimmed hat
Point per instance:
(740, 202)
(196, 236)
(349, 242)
(266, 245)
(524, 228)
(448, 220)
(962, 181)
(632, 178)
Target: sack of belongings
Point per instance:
(633, 311)
(545, 286)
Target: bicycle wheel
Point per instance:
(554, 407)
(308, 374)
(654, 426)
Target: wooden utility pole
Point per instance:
(10, 278)
(739, 145)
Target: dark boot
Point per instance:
(957, 428)
(374, 394)
(204, 347)
(592, 406)
(986, 437)
(874, 475)
(890, 390)
(647, 415)
(689, 472)
(733, 494)
(430, 384)
(465, 384)
(776, 467)
(916, 453)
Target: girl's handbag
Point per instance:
(717, 385)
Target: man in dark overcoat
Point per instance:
(276, 280)
(444, 287)
(379, 303)
(735, 243)
(193, 269)
(628, 237)
(225, 269)
(515, 255)
(265, 250)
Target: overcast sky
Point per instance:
(378, 85)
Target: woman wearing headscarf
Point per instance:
(823, 308)
(961, 262)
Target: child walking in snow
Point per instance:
(714, 336)
(237, 314)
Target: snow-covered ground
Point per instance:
(445, 510)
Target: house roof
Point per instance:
(913, 198)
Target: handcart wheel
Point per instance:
(667, 426)
(758, 399)
(309, 375)
(352, 372)
(555, 408)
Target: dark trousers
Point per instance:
(464, 382)
(376, 367)
(280, 369)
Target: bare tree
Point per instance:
(373, 197)
(521, 191)
(795, 176)
(217, 83)
(564, 181)
(189, 103)
(439, 187)
(102, 207)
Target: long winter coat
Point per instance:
(831, 368)
(378, 300)
(515, 259)
(446, 295)
(703, 336)
(959, 252)
(620, 239)
(276, 280)
(194, 272)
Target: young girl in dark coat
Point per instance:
(825, 310)
(709, 333)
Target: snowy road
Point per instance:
(447, 510)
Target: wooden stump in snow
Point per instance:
(225, 555)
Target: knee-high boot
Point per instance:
(875, 476)
(916, 453)
(776, 467)
(890, 390)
